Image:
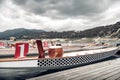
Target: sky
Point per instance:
(58, 15)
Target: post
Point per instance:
(40, 49)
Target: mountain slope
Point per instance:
(103, 31)
(112, 30)
(18, 32)
(9, 33)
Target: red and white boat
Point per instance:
(47, 62)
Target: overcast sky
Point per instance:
(58, 15)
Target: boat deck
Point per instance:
(66, 54)
(106, 70)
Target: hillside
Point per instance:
(19, 33)
(103, 31)
(112, 30)
(9, 33)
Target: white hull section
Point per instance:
(68, 60)
(19, 64)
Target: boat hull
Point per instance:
(67, 62)
(56, 63)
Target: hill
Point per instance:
(112, 30)
(103, 31)
(19, 33)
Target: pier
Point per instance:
(104, 70)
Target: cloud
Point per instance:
(1, 1)
(58, 15)
(64, 8)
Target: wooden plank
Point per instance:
(95, 73)
(114, 77)
(105, 76)
(69, 73)
(118, 78)
(75, 71)
(89, 72)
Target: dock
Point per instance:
(104, 70)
